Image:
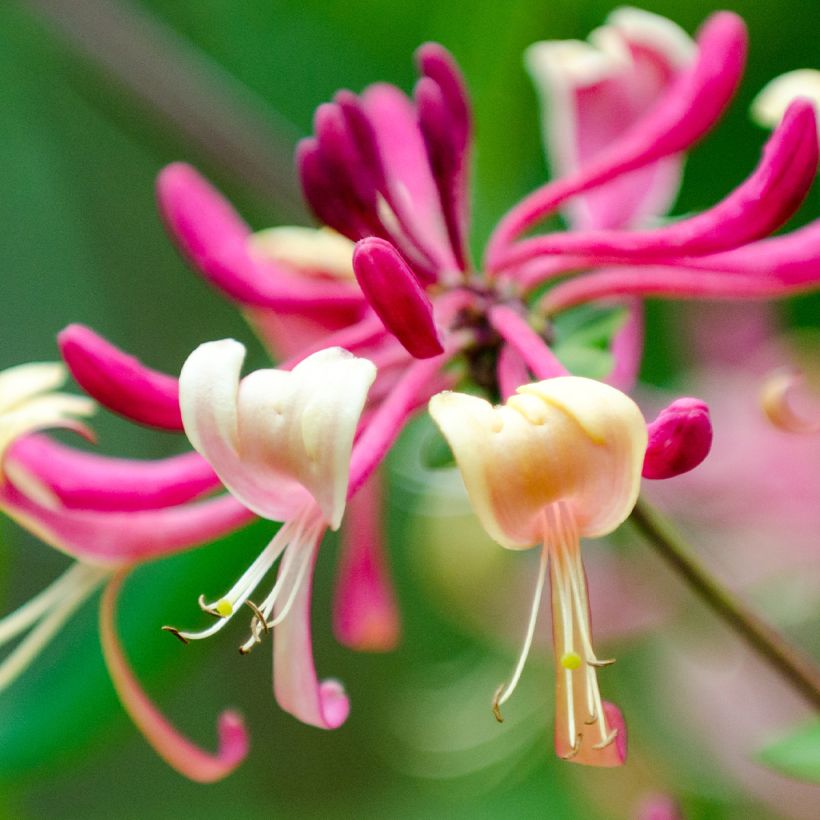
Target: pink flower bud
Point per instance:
(679, 439)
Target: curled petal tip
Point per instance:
(395, 294)
(179, 752)
(679, 439)
(118, 381)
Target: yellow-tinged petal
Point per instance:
(565, 439)
(314, 251)
(771, 103)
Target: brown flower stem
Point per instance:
(794, 666)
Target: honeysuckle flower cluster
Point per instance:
(374, 314)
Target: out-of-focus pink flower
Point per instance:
(109, 514)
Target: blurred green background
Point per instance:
(81, 242)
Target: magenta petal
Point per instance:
(215, 240)
(120, 382)
(177, 751)
(517, 332)
(124, 537)
(323, 704)
(615, 719)
(393, 291)
(756, 208)
(93, 482)
(679, 439)
(687, 110)
(365, 614)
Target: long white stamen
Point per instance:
(297, 583)
(302, 547)
(243, 588)
(84, 583)
(22, 618)
(507, 690)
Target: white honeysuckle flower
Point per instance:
(561, 459)
(769, 106)
(281, 443)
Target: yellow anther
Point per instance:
(571, 660)
(224, 607)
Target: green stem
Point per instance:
(795, 667)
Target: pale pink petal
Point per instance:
(124, 537)
(323, 704)
(118, 381)
(394, 293)
(593, 93)
(627, 347)
(688, 109)
(517, 332)
(177, 751)
(89, 481)
(216, 241)
(753, 210)
(383, 426)
(365, 613)
(512, 371)
(679, 439)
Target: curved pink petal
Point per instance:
(215, 240)
(118, 381)
(93, 482)
(688, 109)
(124, 537)
(739, 277)
(757, 207)
(517, 332)
(177, 751)
(365, 613)
(297, 690)
(679, 439)
(394, 293)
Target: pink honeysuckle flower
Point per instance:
(109, 514)
(593, 92)
(390, 173)
(559, 460)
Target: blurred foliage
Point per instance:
(81, 242)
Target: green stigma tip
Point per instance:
(224, 607)
(571, 660)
